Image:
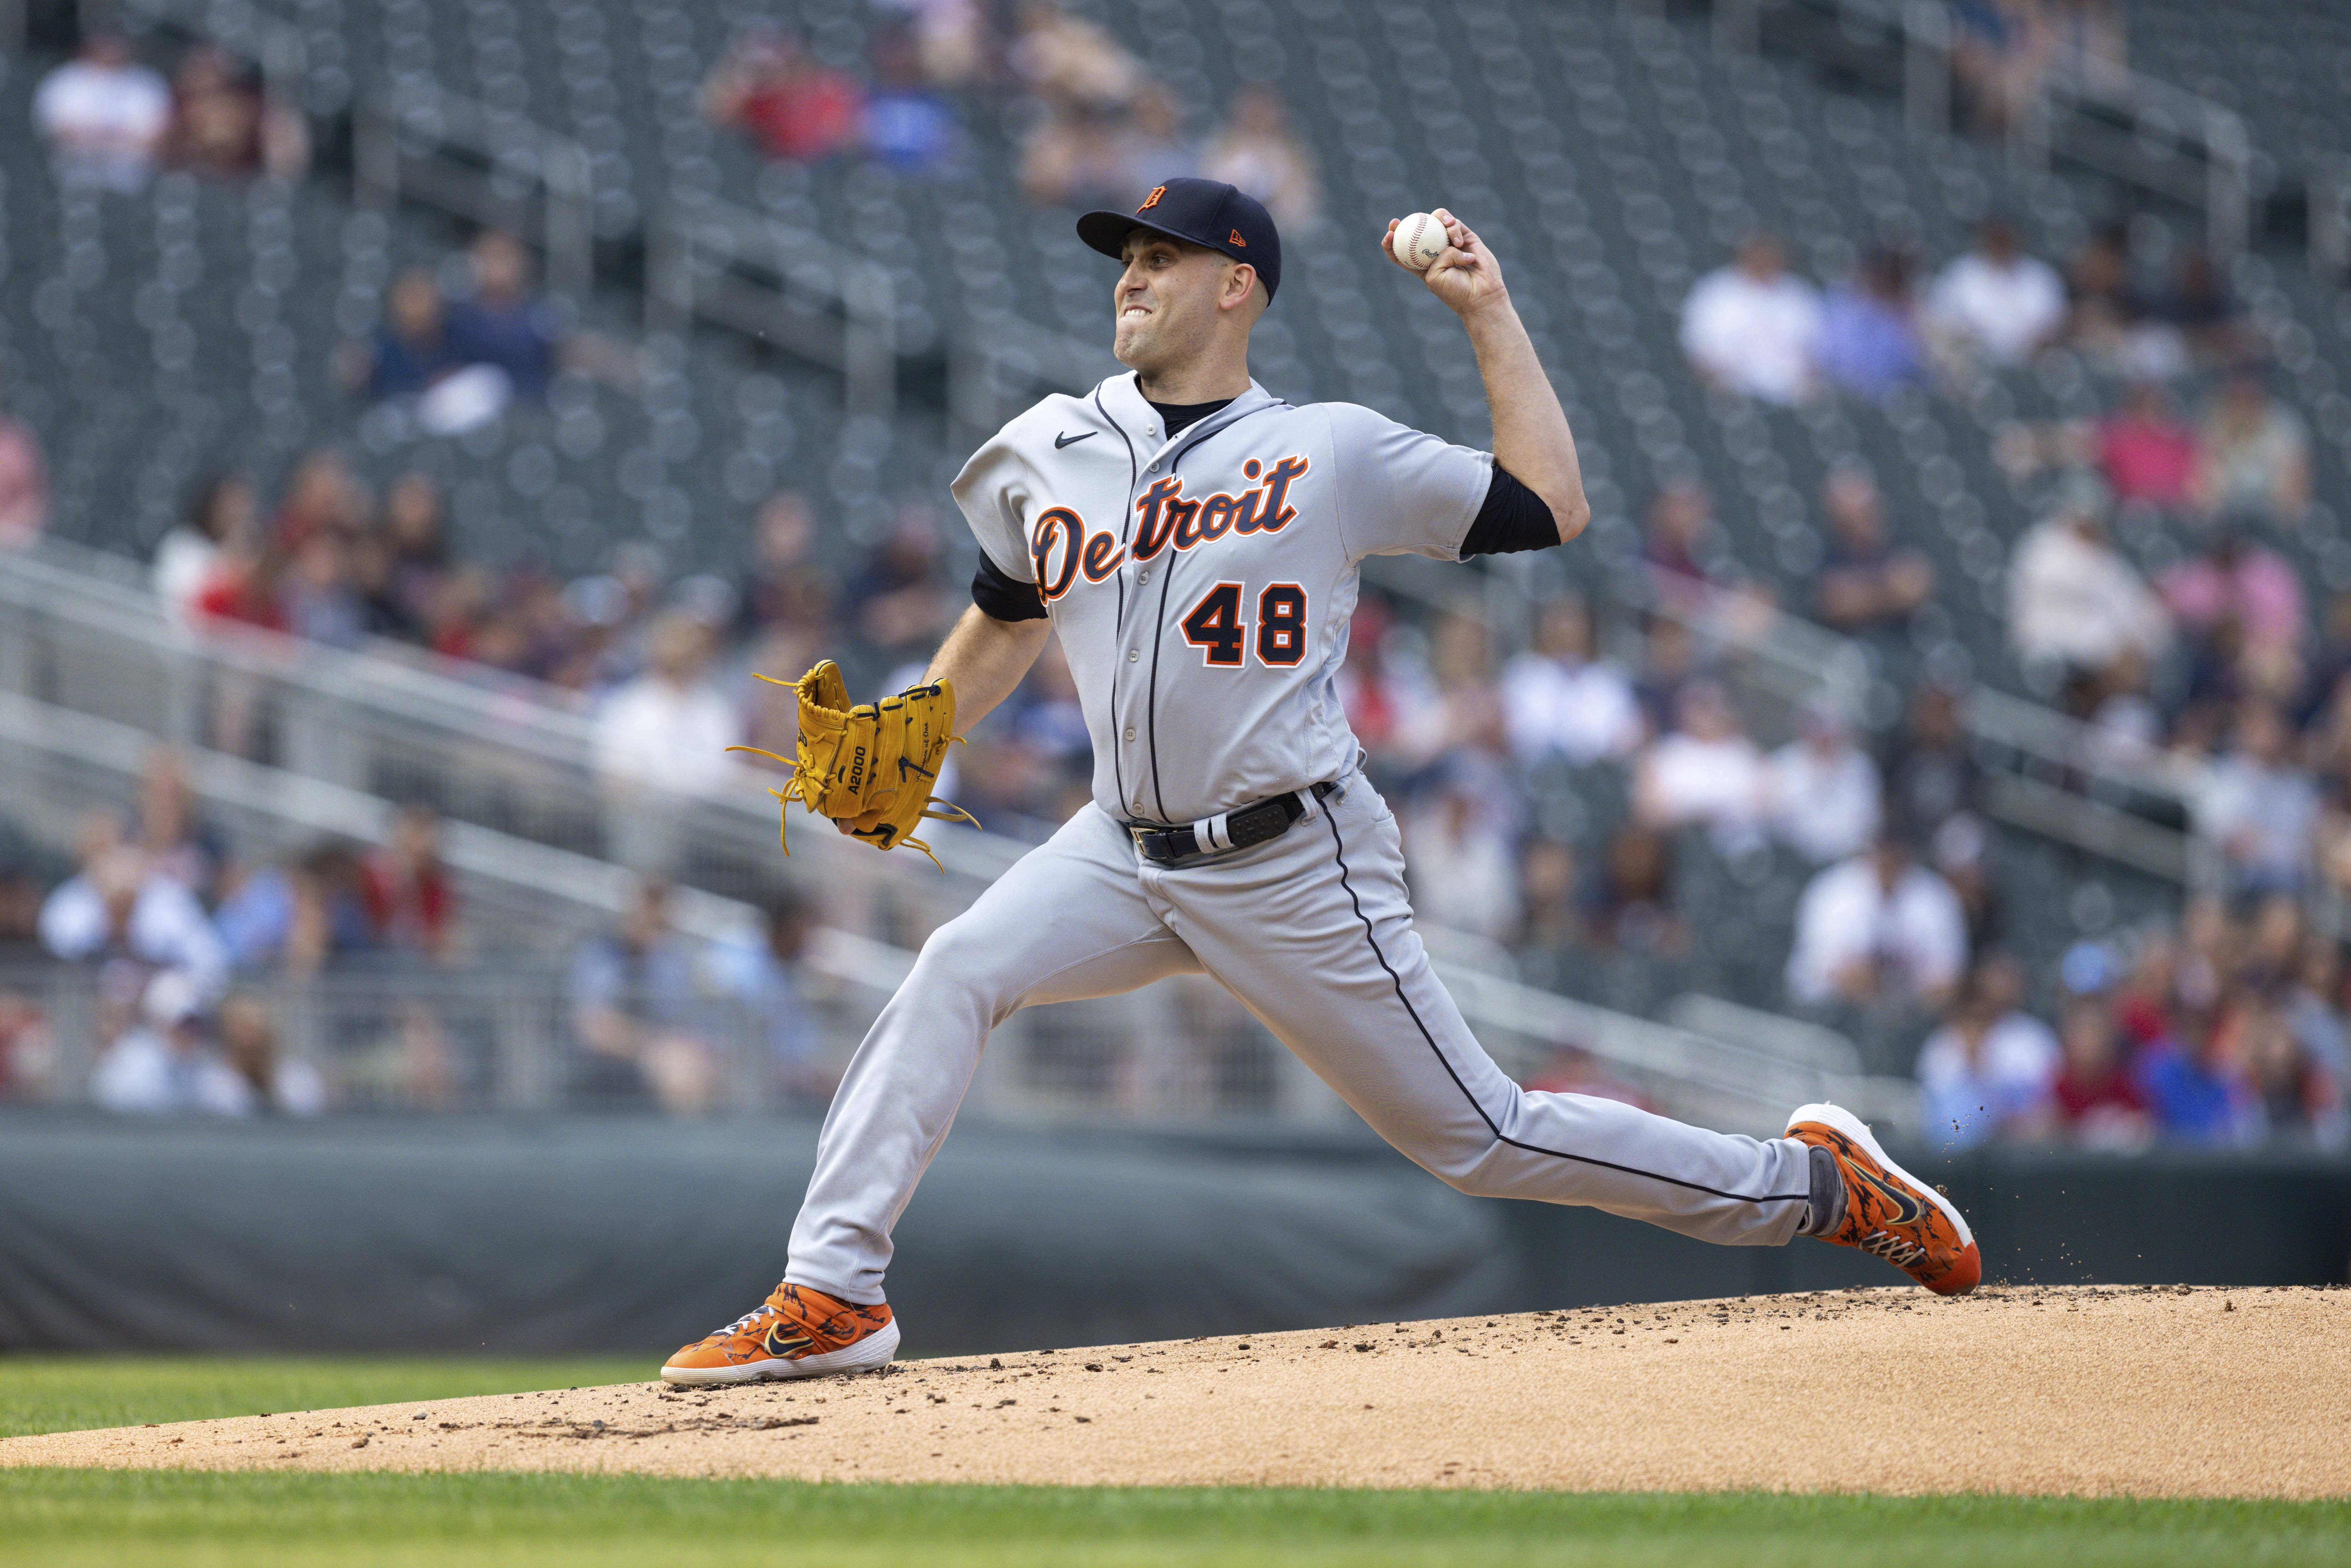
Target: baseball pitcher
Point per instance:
(1196, 541)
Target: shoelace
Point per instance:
(746, 1321)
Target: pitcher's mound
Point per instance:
(2142, 1390)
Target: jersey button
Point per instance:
(1142, 577)
(1130, 733)
(1133, 655)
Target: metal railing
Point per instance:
(2116, 121)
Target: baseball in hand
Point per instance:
(1419, 241)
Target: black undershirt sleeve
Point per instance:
(1512, 519)
(1005, 597)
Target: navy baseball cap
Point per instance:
(1205, 213)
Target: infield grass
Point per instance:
(74, 1393)
(193, 1520)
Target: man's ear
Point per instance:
(1239, 286)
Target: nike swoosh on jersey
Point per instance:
(1060, 441)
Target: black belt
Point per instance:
(1228, 831)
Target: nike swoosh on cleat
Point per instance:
(1907, 1209)
(788, 1346)
(1060, 441)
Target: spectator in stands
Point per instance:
(2254, 455)
(2311, 1005)
(1753, 327)
(1999, 50)
(104, 116)
(637, 1021)
(1258, 151)
(1154, 146)
(1070, 61)
(1877, 928)
(2075, 604)
(1077, 156)
(898, 601)
(766, 978)
(1682, 549)
(1869, 341)
(2196, 1085)
(1822, 792)
(406, 888)
(317, 593)
(2259, 808)
(907, 125)
(791, 587)
(1987, 1071)
(1558, 700)
(2198, 308)
(1960, 852)
(1995, 303)
(2103, 307)
(410, 350)
(2245, 590)
(220, 508)
(1628, 901)
(24, 484)
(504, 322)
(1464, 853)
(118, 910)
(297, 915)
(2097, 1103)
(222, 124)
(1704, 772)
(162, 1065)
(769, 87)
(1867, 584)
(2301, 1103)
(2146, 453)
(322, 495)
(1931, 776)
(270, 1082)
(172, 832)
(668, 730)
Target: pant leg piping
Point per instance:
(1338, 850)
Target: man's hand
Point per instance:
(1467, 277)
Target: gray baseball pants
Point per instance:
(1312, 932)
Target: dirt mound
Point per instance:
(2139, 1390)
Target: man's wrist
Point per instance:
(1494, 310)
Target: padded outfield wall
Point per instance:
(575, 1235)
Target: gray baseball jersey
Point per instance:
(1201, 587)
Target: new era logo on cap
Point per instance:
(1205, 213)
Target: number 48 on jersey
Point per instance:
(1216, 626)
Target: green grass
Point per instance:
(69, 1393)
(71, 1518)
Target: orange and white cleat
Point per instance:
(1887, 1212)
(794, 1332)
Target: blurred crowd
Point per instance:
(113, 122)
(346, 974)
(1091, 125)
(1567, 804)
